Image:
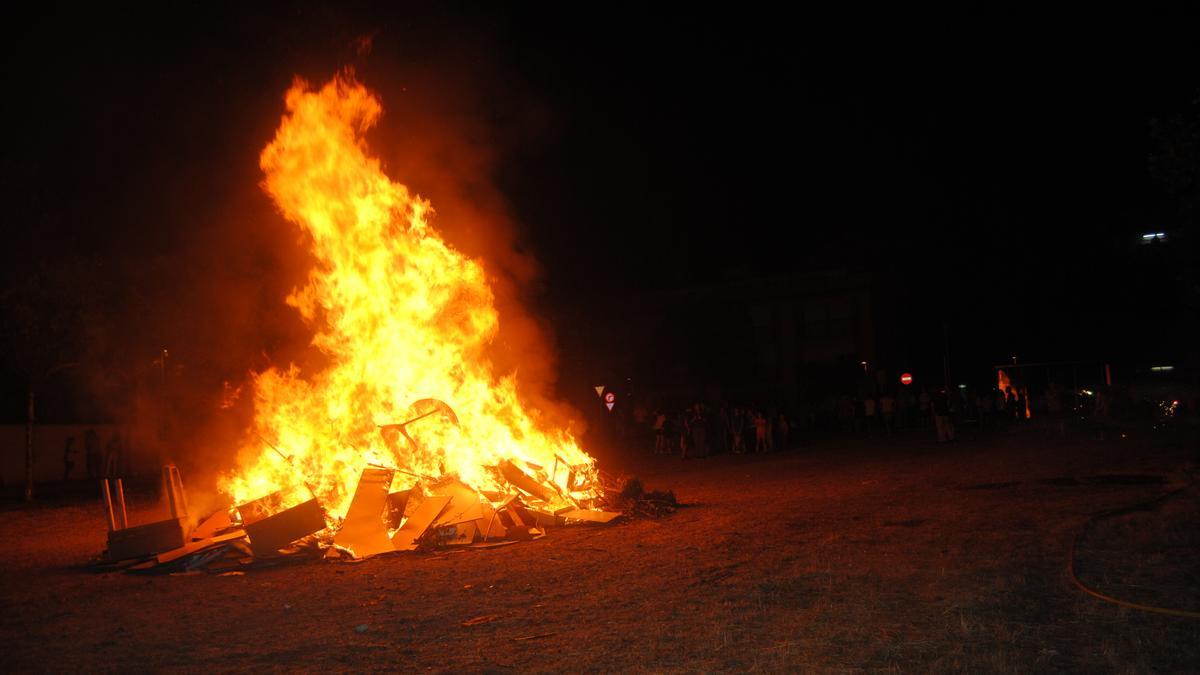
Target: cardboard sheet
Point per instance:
(590, 515)
(363, 531)
(272, 533)
(405, 539)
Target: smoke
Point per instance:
(445, 132)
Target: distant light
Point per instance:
(1162, 369)
(1154, 236)
(962, 386)
(1087, 392)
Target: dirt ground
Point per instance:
(848, 555)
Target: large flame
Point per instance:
(401, 315)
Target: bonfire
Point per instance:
(408, 435)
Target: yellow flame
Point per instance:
(402, 316)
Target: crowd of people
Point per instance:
(699, 430)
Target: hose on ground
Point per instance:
(1095, 518)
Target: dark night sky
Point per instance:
(981, 165)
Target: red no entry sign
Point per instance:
(906, 378)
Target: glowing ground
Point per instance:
(848, 555)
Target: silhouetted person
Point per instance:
(699, 432)
(660, 430)
(941, 416)
(760, 432)
(983, 403)
(869, 410)
(737, 430)
(683, 433)
(887, 405)
(1015, 409)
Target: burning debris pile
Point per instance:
(433, 514)
(430, 515)
(396, 313)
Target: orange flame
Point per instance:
(1003, 384)
(401, 315)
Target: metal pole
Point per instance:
(108, 505)
(124, 520)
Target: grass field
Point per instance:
(849, 555)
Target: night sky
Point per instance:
(987, 172)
